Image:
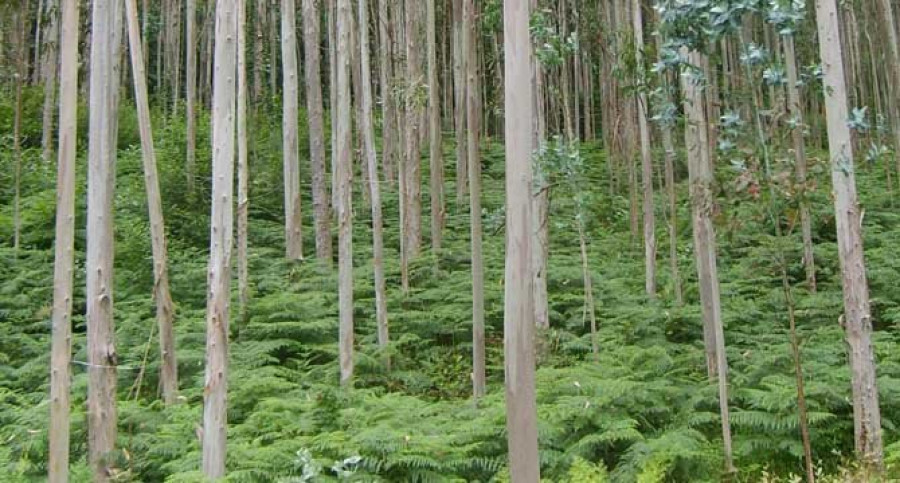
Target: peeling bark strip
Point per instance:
(220, 245)
(64, 263)
(857, 314)
(518, 320)
(103, 129)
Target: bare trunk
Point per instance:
(588, 290)
(290, 145)
(321, 202)
(103, 127)
(518, 320)
(374, 187)
(701, 180)
(344, 167)
(890, 25)
(646, 158)
(215, 421)
(259, 47)
(49, 67)
(21, 73)
(434, 131)
(388, 100)
(165, 310)
(414, 111)
(243, 175)
(191, 91)
(472, 120)
(459, 84)
(64, 263)
(857, 321)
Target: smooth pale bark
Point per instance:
(290, 146)
(388, 100)
(795, 108)
(670, 157)
(356, 88)
(371, 155)
(412, 227)
(218, 295)
(103, 128)
(165, 310)
(540, 199)
(518, 320)
(259, 49)
(64, 259)
(49, 67)
(646, 158)
(474, 160)
(243, 166)
(21, 72)
(191, 91)
(344, 166)
(321, 202)
(332, 95)
(857, 318)
(588, 289)
(701, 181)
(890, 25)
(434, 132)
(459, 85)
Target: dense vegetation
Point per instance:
(644, 411)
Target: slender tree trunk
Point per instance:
(64, 262)
(191, 91)
(414, 112)
(646, 157)
(434, 131)
(20, 78)
(388, 100)
(473, 157)
(856, 321)
(356, 83)
(321, 202)
(273, 45)
(890, 25)
(243, 175)
(588, 290)
(259, 25)
(290, 145)
(701, 179)
(49, 67)
(165, 310)
(344, 167)
(103, 127)
(670, 157)
(215, 421)
(541, 197)
(796, 110)
(374, 187)
(332, 95)
(459, 83)
(518, 320)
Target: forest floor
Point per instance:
(645, 411)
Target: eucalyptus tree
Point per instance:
(321, 202)
(49, 67)
(459, 90)
(165, 309)
(243, 175)
(434, 132)
(389, 129)
(893, 37)
(64, 250)
(412, 196)
(857, 317)
(215, 419)
(371, 155)
(649, 217)
(106, 30)
(190, 81)
(518, 320)
(290, 145)
(343, 173)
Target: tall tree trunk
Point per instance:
(459, 84)
(371, 154)
(191, 91)
(103, 127)
(259, 41)
(215, 421)
(243, 175)
(434, 131)
(165, 310)
(470, 52)
(49, 67)
(540, 197)
(701, 180)
(64, 261)
(290, 145)
(414, 112)
(321, 202)
(588, 289)
(890, 26)
(646, 156)
(20, 78)
(344, 167)
(856, 321)
(518, 320)
(388, 100)
(796, 110)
